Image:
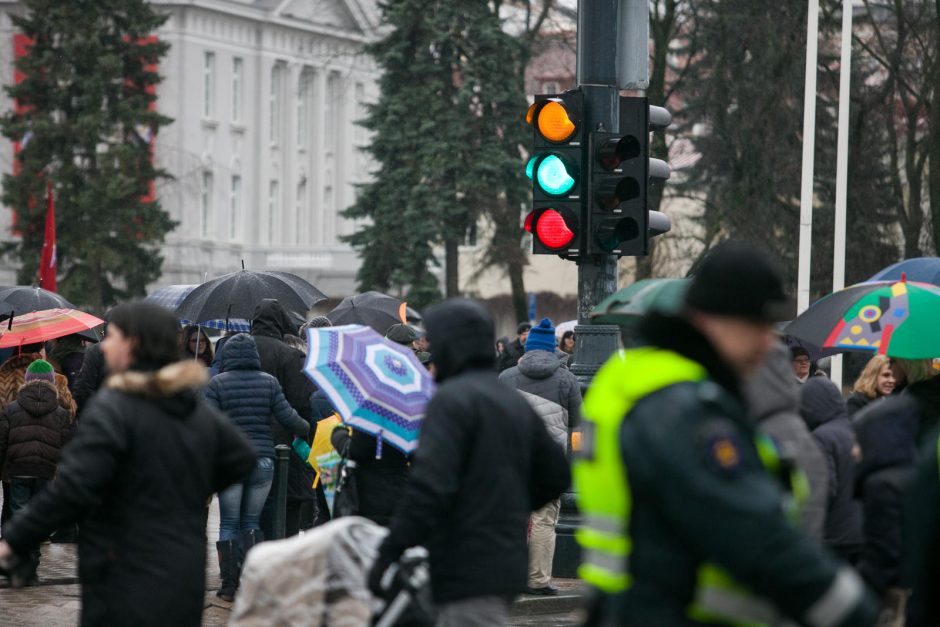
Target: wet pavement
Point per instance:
(57, 601)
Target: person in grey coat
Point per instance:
(773, 395)
(553, 391)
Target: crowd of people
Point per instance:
(723, 479)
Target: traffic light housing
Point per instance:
(619, 171)
(555, 168)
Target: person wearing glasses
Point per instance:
(802, 364)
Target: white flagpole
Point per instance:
(842, 165)
(809, 145)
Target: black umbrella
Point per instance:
(25, 299)
(373, 309)
(237, 294)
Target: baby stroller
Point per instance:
(319, 580)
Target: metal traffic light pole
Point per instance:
(613, 38)
(613, 41)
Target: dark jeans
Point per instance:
(22, 490)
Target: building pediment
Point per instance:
(341, 14)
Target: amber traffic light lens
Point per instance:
(530, 113)
(554, 123)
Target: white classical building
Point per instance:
(265, 96)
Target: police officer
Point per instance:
(685, 518)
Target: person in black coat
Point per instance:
(147, 456)
(515, 349)
(823, 409)
(485, 461)
(90, 377)
(379, 479)
(887, 443)
(268, 327)
(922, 531)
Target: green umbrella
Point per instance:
(894, 318)
(628, 304)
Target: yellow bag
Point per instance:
(321, 443)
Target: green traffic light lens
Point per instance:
(530, 167)
(553, 177)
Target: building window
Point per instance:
(274, 204)
(234, 207)
(301, 203)
(277, 80)
(205, 204)
(551, 87)
(208, 86)
(238, 80)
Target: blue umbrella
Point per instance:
(376, 386)
(172, 295)
(917, 270)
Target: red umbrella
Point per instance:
(48, 324)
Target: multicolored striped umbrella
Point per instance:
(376, 386)
(47, 324)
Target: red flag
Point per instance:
(47, 263)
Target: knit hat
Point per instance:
(739, 280)
(541, 337)
(40, 370)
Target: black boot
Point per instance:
(228, 568)
(247, 538)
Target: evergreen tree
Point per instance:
(446, 137)
(86, 120)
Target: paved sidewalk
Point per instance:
(56, 601)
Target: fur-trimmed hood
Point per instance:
(174, 387)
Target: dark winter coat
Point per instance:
(887, 437)
(250, 397)
(510, 356)
(321, 406)
(856, 402)
(33, 430)
(540, 373)
(485, 461)
(137, 475)
(922, 520)
(379, 481)
(285, 364)
(823, 409)
(91, 376)
(774, 399)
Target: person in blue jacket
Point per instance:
(249, 397)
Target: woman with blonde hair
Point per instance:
(876, 381)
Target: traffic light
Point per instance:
(619, 174)
(556, 172)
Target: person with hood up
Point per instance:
(823, 409)
(773, 396)
(269, 325)
(555, 395)
(249, 398)
(484, 463)
(887, 436)
(33, 430)
(149, 453)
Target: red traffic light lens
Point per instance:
(552, 230)
(527, 225)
